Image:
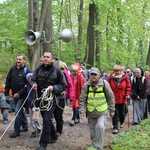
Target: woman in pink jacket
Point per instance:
(121, 87)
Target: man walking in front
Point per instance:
(96, 97)
(51, 78)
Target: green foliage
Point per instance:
(136, 138)
(124, 30)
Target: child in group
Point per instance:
(4, 106)
(35, 123)
(78, 81)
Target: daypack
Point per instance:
(143, 78)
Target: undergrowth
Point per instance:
(137, 138)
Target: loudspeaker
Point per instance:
(31, 37)
(65, 35)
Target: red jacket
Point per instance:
(120, 87)
(78, 82)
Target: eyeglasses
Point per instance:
(93, 74)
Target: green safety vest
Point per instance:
(96, 100)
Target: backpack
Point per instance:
(143, 78)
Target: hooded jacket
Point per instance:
(120, 87)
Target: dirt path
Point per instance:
(73, 138)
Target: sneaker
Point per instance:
(33, 135)
(122, 125)
(72, 123)
(115, 131)
(59, 134)
(14, 135)
(38, 131)
(5, 122)
(77, 121)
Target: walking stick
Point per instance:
(128, 116)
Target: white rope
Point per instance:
(15, 115)
(46, 100)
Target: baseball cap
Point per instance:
(94, 70)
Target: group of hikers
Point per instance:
(92, 94)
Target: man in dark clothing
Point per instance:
(51, 78)
(16, 81)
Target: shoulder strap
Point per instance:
(104, 88)
(143, 78)
(134, 80)
(25, 70)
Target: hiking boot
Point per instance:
(77, 121)
(14, 135)
(33, 135)
(115, 131)
(72, 123)
(52, 140)
(24, 130)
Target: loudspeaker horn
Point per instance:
(31, 37)
(65, 35)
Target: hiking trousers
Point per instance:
(97, 130)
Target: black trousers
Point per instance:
(148, 101)
(58, 114)
(119, 115)
(48, 127)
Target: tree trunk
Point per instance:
(148, 56)
(97, 39)
(47, 46)
(107, 42)
(37, 48)
(142, 61)
(30, 27)
(91, 42)
(80, 19)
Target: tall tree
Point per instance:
(91, 37)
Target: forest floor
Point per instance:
(72, 138)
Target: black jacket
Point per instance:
(139, 88)
(16, 80)
(50, 75)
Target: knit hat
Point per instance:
(29, 75)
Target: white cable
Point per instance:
(47, 97)
(46, 100)
(16, 114)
